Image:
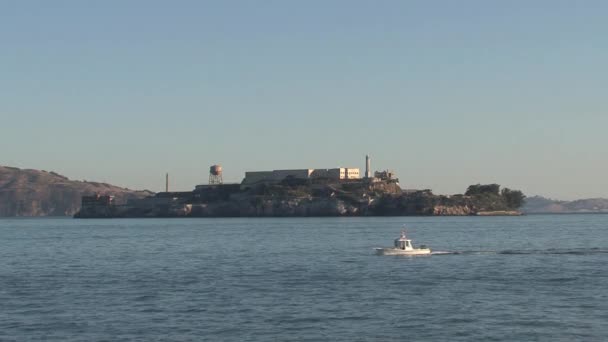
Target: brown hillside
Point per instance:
(25, 192)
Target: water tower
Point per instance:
(215, 174)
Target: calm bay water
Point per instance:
(532, 278)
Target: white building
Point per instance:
(276, 176)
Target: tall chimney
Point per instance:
(368, 167)
(167, 182)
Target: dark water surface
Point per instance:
(533, 278)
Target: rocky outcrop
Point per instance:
(499, 213)
(456, 210)
(293, 207)
(25, 192)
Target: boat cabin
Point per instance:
(403, 242)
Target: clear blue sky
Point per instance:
(446, 93)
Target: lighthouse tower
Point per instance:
(368, 167)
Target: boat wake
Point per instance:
(462, 252)
(551, 251)
(443, 253)
(572, 251)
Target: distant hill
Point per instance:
(25, 192)
(539, 205)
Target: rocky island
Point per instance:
(293, 198)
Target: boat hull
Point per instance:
(397, 251)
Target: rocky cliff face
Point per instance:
(25, 192)
(455, 210)
(276, 208)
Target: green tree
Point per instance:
(513, 198)
(479, 189)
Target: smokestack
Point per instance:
(167, 182)
(368, 167)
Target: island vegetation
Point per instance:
(477, 200)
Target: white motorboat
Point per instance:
(403, 246)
